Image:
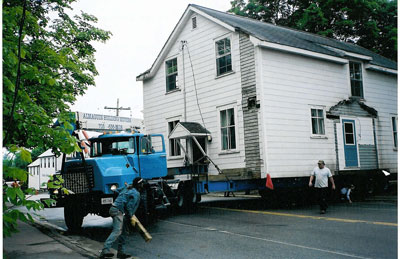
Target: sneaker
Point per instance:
(122, 255)
(322, 212)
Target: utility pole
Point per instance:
(117, 108)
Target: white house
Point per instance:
(34, 174)
(275, 100)
(40, 170)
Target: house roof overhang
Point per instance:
(186, 130)
(346, 107)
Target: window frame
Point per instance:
(235, 116)
(167, 75)
(218, 56)
(394, 126)
(176, 145)
(318, 135)
(353, 79)
(354, 136)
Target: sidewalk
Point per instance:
(30, 242)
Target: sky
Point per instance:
(140, 30)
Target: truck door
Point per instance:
(153, 162)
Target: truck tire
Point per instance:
(144, 211)
(187, 198)
(73, 218)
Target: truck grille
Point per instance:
(79, 179)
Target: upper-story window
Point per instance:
(394, 131)
(356, 79)
(317, 121)
(171, 67)
(228, 129)
(224, 56)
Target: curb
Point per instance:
(59, 234)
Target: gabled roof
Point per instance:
(352, 106)
(47, 153)
(187, 130)
(267, 32)
(34, 163)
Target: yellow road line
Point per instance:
(310, 217)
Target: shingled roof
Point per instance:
(188, 129)
(297, 41)
(294, 38)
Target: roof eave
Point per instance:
(298, 51)
(381, 69)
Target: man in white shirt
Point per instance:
(321, 175)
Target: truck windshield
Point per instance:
(112, 146)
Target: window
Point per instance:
(53, 161)
(317, 121)
(48, 161)
(394, 129)
(223, 54)
(356, 79)
(41, 162)
(174, 148)
(228, 134)
(172, 74)
(112, 146)
(349, 133)
(194, 22)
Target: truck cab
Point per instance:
(115, 160)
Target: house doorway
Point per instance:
(198, 157)
(350, 143)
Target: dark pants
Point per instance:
(322, 196)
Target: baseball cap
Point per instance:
(321, 162)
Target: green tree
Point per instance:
(369, 23)
(47, 63)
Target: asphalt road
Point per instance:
(246, 228)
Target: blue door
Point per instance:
(350, 143)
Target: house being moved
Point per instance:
(273, 99)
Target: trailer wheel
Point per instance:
(73, 217)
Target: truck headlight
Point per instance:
(114, 187)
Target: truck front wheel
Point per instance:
(73, 218)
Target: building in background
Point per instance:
(48, 164)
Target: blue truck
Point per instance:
(116, 159)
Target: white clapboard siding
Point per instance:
(211, 91)
(292, 84)
(380, 91)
